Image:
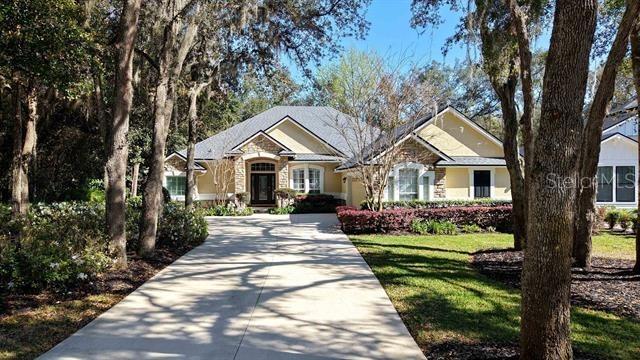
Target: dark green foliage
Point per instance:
(62, 246)
(282, 210)
(435, 227)
(226, 210)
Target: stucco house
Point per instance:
(448, 156)
(618, 162)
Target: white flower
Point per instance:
(54, 265)
(82, 276)
(10, 285)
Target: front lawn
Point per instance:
(447, 304)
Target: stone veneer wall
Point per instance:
(240, 175)
(439, 191)
(282, 168)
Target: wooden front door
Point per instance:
(262, 188)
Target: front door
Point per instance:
(262, 187)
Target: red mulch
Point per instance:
(609, 285)
(121, 282)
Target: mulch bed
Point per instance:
(121, 282)
(484, 351)
(609, 285)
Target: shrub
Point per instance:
(243, 198)
(422, 204)
(366, 221)
(435, 227)
(226, 210)
(282, 210)
(470, 229)
(62, 246)
(316, 203)
(625, 219)
(285, 193)
(612, 217)
(180, 228)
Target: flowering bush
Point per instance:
(227, 210)
(366, 221)
(179, 227)
(421, 204)
(61, 246)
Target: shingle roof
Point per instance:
(612, 134)
(319, 120)
(317, 157)
(472, 161)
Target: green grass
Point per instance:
(614, 245)
(441, 298)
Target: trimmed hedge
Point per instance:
(421, 204)
(316, 203)
(354, 221)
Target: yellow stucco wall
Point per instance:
(455, 137)
(502, 184)
(357, 193)
(208, 185)
(457, 183)
(298, 140)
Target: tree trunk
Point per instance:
(152, 193)
(506, 93)
(29, 143)
(591, 140)
(16, 166)
(170, 69)
(634, 39)
(546, 276)
(134, 179)
(191, 144)
(116, 167)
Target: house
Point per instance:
(446, 156)
(617, 165)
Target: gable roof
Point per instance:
(612, 135)
(320, 121)
(255, 135)
(412, 129)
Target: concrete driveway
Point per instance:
(260, 287)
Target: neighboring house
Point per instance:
(446, 156)
(618, 162)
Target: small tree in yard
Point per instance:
(383, 105)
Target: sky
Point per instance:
(390, 34)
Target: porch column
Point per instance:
(439, 190)
(283, 172)
(240, 175)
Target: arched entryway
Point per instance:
(262, 182)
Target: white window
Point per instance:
(314, 181)
(616, 184)
(297, 180)
(176, 185)
(307, 178)
(408, 184)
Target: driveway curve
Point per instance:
(260, 287)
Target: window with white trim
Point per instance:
(625, 183)
(307, 178)
(408, 184)
(314, 181)
(604, 180)
(297, 176)
(176, 185)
